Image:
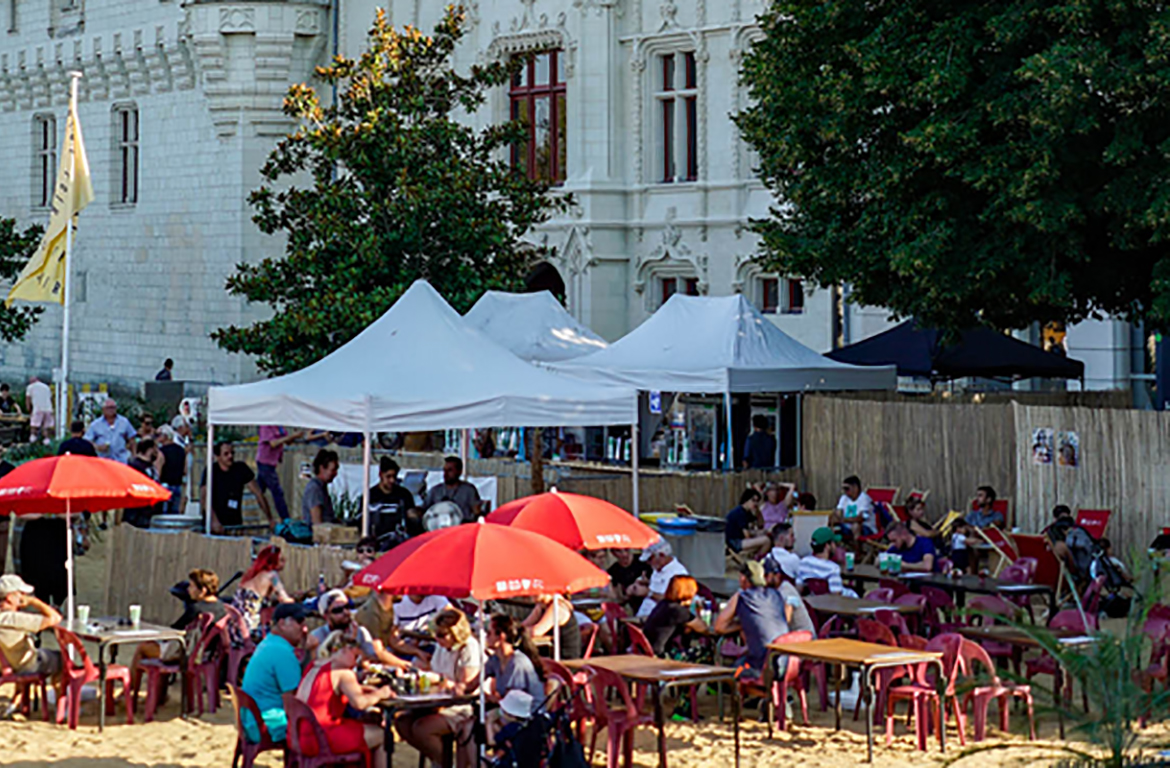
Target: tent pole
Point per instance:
(800, 431)
(465, 448)
(779, 408)
(207, 485)
(729, 463)
(365, 484)
(634, 464)
(68, 562)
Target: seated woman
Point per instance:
(202, 586)
(259, 584)
(331, 684)
(672, 616)
(513, 666)
(541, 621)
(919, 525)
(457, 658)
(779, 498)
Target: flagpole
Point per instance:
(63, 385)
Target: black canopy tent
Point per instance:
(978, 352)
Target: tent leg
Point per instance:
(800, 431)
(68, 562)
(365, 485)
(208, 497)
(465, 447)
(729, 462)
(634, 465)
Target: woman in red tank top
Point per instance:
(329, 685)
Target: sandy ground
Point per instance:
(209, 740)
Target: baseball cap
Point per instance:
(660, 547)
(824, 535)
(754, 572)
(517, 703)
(289, 611)
(10, 583)
(179, 422)
(328, 598)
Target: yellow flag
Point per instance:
(43, 278)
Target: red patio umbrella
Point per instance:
(55, 484)
(578, 522)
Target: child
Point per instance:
(1096, 569)
(960, 555)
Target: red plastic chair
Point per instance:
(980, 697)
(1094, 521)
(897, 587)
(1046, 665)
(880, 595)
(317, 754)
(1091, 600)
(817, 586)
(639, 645)
(77, 669)
(27, 685)
(619, 720)
(892, 620)
(1030, 564)
(986, 609)
(914, 621)
(939, 616)
(923, 694)
(1018, 574)
(246, 750)
(580, 706)
(870, 631)
(791, 677)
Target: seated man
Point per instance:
(855, 513)
(22, 616)
(820, 564)
(759, 612)
(1072, 545)
(626, 570)
(983, 514)
(743, 534)
(663, 568)
(783, 542)
(335, 607)
(917, 552)
(275, 670)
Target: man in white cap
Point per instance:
(665, 567)
(18, 626)
(335, 608)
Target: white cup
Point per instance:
(136, 615)
(82, 615)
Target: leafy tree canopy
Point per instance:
(401, 189)
(1000, 161)
(16, 248)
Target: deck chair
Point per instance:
(1094, 521)
(883, 495)
(1002, 544)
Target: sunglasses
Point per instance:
(366, 550)
(338, 610)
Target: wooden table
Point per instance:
(662, 674)
(855, 607)
(108, 634)
(959, 587)
(425, 703)
(868, 657)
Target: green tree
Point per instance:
(1000, 161)
(16, 248)
(401, 190)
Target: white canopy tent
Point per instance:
(534, 326)
(719, 345)
(420, 367)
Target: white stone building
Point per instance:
(630, 111)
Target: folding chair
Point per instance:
(1094, 521)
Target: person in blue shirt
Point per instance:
(275, 670)
(759, 452)
(112, 435)
(743, 533)
(917, 552)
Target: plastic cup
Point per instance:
(849, 561)
(136, 615)
(82, 615)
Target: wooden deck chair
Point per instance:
(919, 494)
(887, 496)
(1002, 544)
(1094, 521)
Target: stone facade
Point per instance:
(207, 80)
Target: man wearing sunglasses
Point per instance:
(335, 608)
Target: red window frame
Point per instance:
(795, 297)
(523, 94)
(770, 295)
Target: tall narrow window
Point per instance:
(689, 286)
(795, 303)
(537, 97)
(678, 121)
(126, 153)
(769, 295)
(45, 153)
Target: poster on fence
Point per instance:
(1070, 450)
(1042, 447)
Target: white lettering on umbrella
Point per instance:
(15, 491)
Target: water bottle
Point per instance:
(321, 585)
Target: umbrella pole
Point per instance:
(556, 628)
(68, 561)
(207, 485)
(482, 663)
(365, 485)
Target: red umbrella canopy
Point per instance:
(578, 522)
(481, 561)
(43, 486)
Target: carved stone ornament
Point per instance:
(671, 257)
